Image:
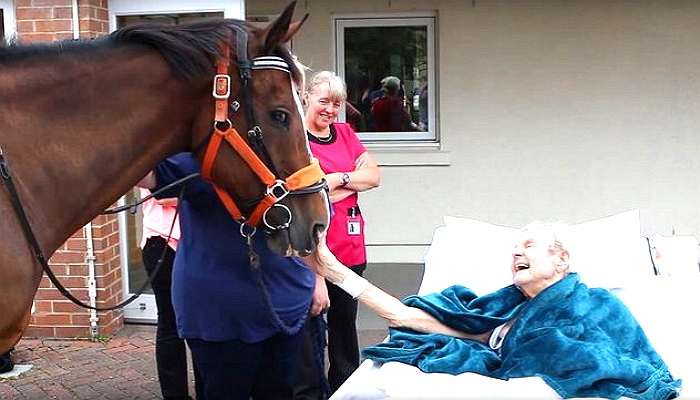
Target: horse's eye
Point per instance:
(280, 117)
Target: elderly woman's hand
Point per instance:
(320, 300)
(325, 264)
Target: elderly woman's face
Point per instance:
(535, 266)
(321, 110)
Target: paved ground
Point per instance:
(119, 368)
(123, 366)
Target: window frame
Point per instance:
(9, 22)
(413, 19)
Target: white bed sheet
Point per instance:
(665, 306)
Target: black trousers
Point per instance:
(235, 370)
(343, 346)
(171, 351)
(6, 364)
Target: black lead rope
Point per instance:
(39, 255)
(255, 269)
(318, 328)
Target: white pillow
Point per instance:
(606, 252)
(475, 262)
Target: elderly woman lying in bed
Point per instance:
(582, 341)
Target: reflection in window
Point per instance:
(388, 65)
(166, 19)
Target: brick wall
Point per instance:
(48, 20)
(55, 316)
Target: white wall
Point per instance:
(549, 110)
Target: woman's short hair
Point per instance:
(336, 84)
(391, 85)
(555, 230)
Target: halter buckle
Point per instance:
(278, 191)
(222, 86)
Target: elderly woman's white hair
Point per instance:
(557, 232)
(336, 85)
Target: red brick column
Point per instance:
(55, 316)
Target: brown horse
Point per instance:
(82, 122)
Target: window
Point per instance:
(389, 66)
(166, 19)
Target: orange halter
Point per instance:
(308, 179)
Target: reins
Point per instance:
(9, 185)
(131, 207)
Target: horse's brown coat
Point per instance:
(82, 122)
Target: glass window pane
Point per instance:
(166, 19)
(387, 64)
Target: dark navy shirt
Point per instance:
(215, 294)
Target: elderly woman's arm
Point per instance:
(397, 314)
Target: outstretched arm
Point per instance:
(388, 307)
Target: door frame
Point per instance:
(231, 8)
(144, 308)
(9, 20)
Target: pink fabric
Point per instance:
(157, 220)
(340, 156)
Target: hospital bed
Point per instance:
(656, 277)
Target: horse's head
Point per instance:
(258, 156)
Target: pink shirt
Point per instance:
(339, 156)
(157, 220)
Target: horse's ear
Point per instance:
(282, 29)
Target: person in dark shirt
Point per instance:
(242, 324)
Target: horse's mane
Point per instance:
(190, 50)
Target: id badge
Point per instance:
(354, 226)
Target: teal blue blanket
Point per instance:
(582, 341)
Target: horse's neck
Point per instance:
(79, 134)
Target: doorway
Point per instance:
(124, 13)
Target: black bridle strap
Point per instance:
(245, 67)
(39, 255)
